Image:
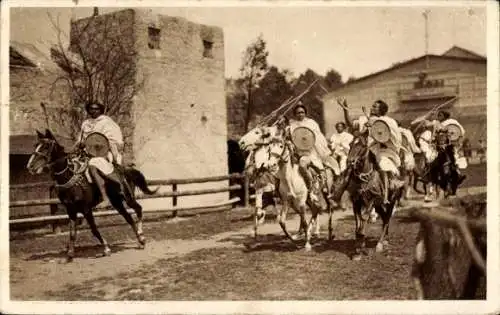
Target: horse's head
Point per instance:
(256, 136)
(442, 138)
(268, 157)
(47, 150)
(358, 151)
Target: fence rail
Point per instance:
(174, 194)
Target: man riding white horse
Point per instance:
(340, 144)
(320, 156)
(100, 167)
(426, 139)
(409, 148)
(387, 153)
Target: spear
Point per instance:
(42, 104)
(297, 99)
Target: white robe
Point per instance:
(321, 150)
(341, 144)
(388, 157)
(105, 125)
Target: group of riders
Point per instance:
(392, 156)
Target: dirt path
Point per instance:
(32, 278)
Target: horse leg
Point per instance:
(307, 230)
(283, 213)
(407, 194)
(330, 223)
(132, 203)
(315, 223)
(429, 193)
(89, 216)
(360, 237)
(117, 203)
(72, 235)
(386, 217)
(257, 211)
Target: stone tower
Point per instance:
(178, 119)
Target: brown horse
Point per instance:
(365, 188)
(80, 196)
(441, 173)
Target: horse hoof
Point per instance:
(385, 242)
(308, 247)
(379, 248)
(69, 259)
(356, 257)
(107, 252)
(142, 240)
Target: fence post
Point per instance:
(174, 200)
(246, 192)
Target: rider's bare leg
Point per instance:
(101, 184)
(385, 179)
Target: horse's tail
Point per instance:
(139, 180)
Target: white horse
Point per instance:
(270, 151)
(255, 143)
(293, 191)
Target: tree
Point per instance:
(273, 90)
(99, 65)
(333, 80)
(351, 78)
(312, 99)
(252, 70)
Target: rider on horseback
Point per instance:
(387, 154)
(320, 156)
(99, 167)
(340, 144)
(439, 125)
(408, 148)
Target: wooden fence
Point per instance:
(174, 194)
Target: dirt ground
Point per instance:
(213, 257)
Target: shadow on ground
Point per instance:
(86, 251)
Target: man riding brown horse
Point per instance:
(387, 153)
(103, 168)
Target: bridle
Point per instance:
(48, 156)
(362, 176)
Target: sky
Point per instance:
(355, 41)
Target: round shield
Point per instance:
(304, 139)
(380, 131)
(97, 145)
(454, 132)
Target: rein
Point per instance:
(362, 176)
(73, 179)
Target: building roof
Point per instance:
(29, 55)
(460, 52)
(454, 53)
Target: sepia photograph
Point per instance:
(250, 152)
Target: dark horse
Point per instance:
(442, 172)
(365, 187)
(80, 196)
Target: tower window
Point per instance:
(154, 38)
(207, 49)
